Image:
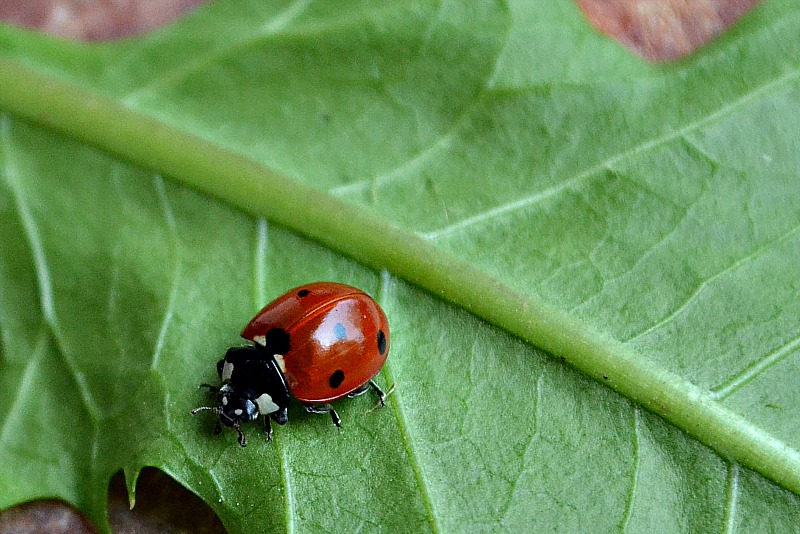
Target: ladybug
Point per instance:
(317, 343)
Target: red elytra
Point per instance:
(338, 339)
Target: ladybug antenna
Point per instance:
(214, 409)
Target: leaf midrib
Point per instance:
(83, 114)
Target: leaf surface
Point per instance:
(638, 221)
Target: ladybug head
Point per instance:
(233, 409)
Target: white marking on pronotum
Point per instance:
(227, 371)
(224, 401)
(280, 362)
(265, 404)
(261, 340)
(238, 411)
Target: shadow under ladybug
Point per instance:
(318, 342)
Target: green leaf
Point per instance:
(639, 222)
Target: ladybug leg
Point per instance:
(334, 416)
(375, 387)
(281, 416)
(212, 389)
(381, 395)
(360, 391)
(378, 391)
(325, 408)
(242, 440)
(267, 428)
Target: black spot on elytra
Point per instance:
(276, 341)
(381, 342)
(336, 378)
(303, 292)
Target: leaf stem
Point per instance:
(130, 134)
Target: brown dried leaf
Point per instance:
(663, 30)
(94, 20)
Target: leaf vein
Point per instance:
(652, 249)
(23, 384)
(439, 144)
(402, 424)
(42, 269)
(274, 27)
(176, 273)
(731, 498)
(528, 448)
(607, 164)
(259, 284)
(631, 500)
(757, 253)
(749, 373)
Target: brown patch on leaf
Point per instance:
(162, 505)
(94, 20)
(50, 516)
(663, 30)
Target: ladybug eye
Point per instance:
(381, 342)
(336, 378)
(303, 292)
